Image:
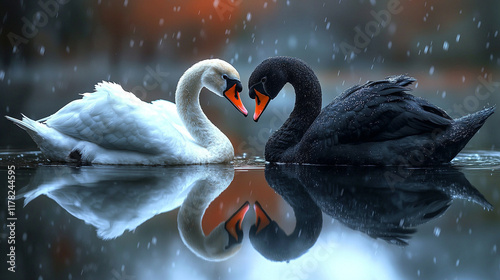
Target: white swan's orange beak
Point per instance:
(262, 219)
(233, 224)
(261, 102)
(232, 93)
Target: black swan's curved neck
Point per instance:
(307, 108)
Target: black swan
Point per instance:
(377, 123)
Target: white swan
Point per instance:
(112, 126)
(225, 240)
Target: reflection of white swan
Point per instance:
(115, 199)
(225, 240)
(112, 126)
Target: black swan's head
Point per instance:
(266, 81)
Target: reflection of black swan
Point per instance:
(266, 235)
(383, 202)
(386, 203)
(377, 123)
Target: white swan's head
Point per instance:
(222, 78)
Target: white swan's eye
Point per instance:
(224, 76)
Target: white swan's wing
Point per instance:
(117, 120)
(169, 110)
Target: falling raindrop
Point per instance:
(437, 231)
(389, 45)
(42, 50)
(328, 26)
(431, 70)
(445, 45)
(249, 17)
(458, 38)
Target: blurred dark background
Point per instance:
(53, 50)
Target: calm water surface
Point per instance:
(121, 222)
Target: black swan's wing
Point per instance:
(377, 111)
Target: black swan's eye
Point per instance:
(263, 80)
(224, 76)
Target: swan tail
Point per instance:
(51, 142)
(462, 130)
(27, 124)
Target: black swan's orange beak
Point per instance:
(233, 224)
(232, 93)
(261, 102)
(262, 219)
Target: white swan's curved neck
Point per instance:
(187, 99)
(189, 219)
